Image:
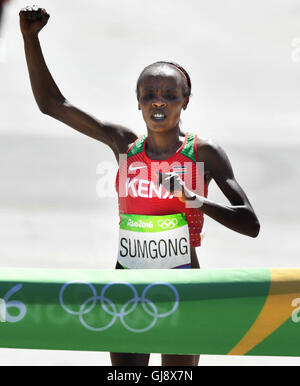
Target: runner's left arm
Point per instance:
(239, 215)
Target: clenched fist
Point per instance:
(33, 19)
(172, 183)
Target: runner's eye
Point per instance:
(171, 96)
(148, 96)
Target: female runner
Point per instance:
(163, 91)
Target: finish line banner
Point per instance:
(233, 311)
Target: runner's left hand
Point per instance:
(172, 183)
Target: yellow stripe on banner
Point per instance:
(284, 287)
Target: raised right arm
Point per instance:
(48, 96)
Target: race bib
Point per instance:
(154, 241)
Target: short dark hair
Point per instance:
(187, 81)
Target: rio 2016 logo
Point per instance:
(5, 304)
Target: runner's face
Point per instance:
(161, 98)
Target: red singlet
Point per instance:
(138, 193)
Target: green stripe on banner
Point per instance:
(142, 223)
(286, 339)
(159, 311)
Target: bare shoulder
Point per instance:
(123, 137)
(216, 161)
(207, 148)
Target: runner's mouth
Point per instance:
(158, 117)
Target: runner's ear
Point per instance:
(186, 102)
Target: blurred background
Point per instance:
(244, 61)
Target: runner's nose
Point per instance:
(159, 104)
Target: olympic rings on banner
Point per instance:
(167, 223)
(132, 303)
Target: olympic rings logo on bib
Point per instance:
(167, 223)
(85, 308)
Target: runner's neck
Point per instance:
(163, 145)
